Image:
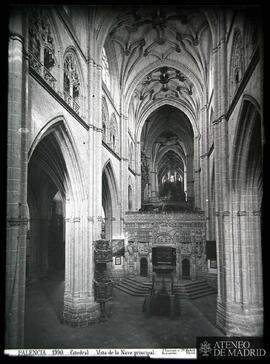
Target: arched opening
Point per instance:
(55, 201)
(72, 84)
(47, 175)
(171, 178)
(106, 207)
(143, 267)
(109, 202)
(56, 249)
(167, 161)
(185, 269)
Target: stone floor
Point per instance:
(128, 327)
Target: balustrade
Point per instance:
(103, 285)
(40, 69)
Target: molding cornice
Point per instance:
(111, 151)
(16, 36)
(131, 171)
(109, 96)
(16, 221)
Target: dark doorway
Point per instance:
(143, 267)
(185, 269)
(56, 243)
(46, 202)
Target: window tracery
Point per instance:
(41, 45)
(236, 63)
(71, 82)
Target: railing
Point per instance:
(48, 77)
(68, 99)
(39, 68)
(35, 64)
(71, 102)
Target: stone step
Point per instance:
(199, 295)
(197, 289)
(138, 283)
(130, 292)
(134, 289)
(190, 284)
(182, 290)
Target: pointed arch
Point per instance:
(62, 138)
(245, 147)
(110, 200)
(109, 172)
(246, 199)
(158, 104)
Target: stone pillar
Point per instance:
(83, 229)
(196, 167)
(154, 187)
(79, 306)
(205, 180)
(185, 182)
(218, 154)
(138, 186)
(17, 163)
(123, 165)
(237, 312)
(97, 153)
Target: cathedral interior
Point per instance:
(135, 175)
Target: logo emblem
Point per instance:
(205, 348)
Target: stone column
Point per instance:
(83, 226)
(123, 165)
(236, 313)
(205, 190)
(221, 320)
(154, 187)
(195, 175)
(17, 163)
(137, 197)
(97, 152)
(185, 182)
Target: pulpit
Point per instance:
(103, 285)
(161, 300)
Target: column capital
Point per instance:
(242, 213)
(16, 36)
(225, 213)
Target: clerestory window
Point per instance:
(71, 82)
